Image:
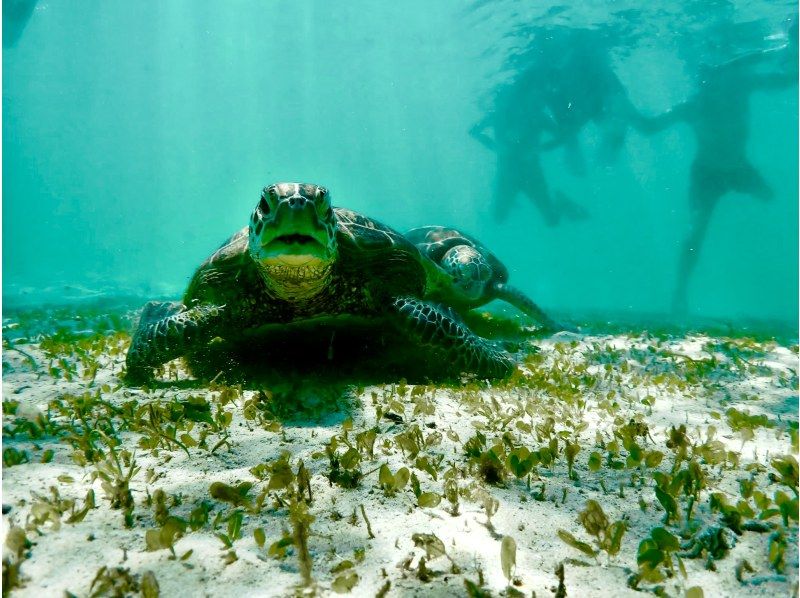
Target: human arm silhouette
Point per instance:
(777, 79)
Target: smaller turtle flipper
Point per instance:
(526, 305)
(440, 330)
(167, 331)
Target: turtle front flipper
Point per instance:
(167, 331)
(434, 327)
(526, 305)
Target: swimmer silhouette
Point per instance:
(564, 80)
(580, 87)
(517, 123)
(718, 115)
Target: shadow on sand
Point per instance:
(314, 370)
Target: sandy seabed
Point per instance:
(194, 489)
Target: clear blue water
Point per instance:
(137, 136)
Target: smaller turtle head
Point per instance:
(292, 238)
(470, 271)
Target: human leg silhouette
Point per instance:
(706, 187)
(748, 180)
(554, 206)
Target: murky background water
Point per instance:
(568, 137)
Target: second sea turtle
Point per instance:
(464, 274)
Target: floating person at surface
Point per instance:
(562, 81)
(517, 124)
(718, 114)
(581, 87)
(16, 14)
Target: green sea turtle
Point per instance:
(301, 260)
(464, 274)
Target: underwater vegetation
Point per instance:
(655, 459)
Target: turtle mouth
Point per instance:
(295, 239)
(294, 243)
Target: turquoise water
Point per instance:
(137, 137)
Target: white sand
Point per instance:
(67, 559)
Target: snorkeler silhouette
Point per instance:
(581, 87)
(517, 124)
(562, 81)
(718, 115)
(16, 14)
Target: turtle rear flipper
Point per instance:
(526, 305)
(167, 331)
(434, 327)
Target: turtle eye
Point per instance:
(263, 205)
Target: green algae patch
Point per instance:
(606, 463)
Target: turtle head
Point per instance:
(470, 271)
(292, 238)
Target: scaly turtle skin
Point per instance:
(467, 275)
(300, 260)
